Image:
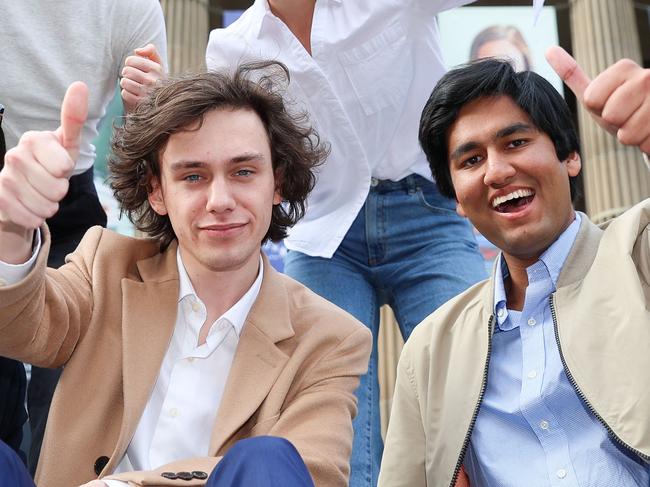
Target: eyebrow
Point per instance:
(245, 157)
(513, 129)
(504, 132)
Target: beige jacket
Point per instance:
(108, 317)
(602, 323)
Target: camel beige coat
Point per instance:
(107, 316)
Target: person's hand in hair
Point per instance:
(35, 176)
(140, 73)
(618, 98)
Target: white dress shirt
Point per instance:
(374, 64)
(178, 419)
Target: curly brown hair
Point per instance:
(177, 104)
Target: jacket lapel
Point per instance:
(148, 316)
(258, 361)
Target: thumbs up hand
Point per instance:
(618, 98)
(35, 176)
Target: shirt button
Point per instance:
(544, 424)
(190, 359)
(173, 412)
(501, 312)
(561, 473)
(195, 307)
(3, 282)
(531, 322)
(532, 374)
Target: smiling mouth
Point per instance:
(513, 202)
(223, 228)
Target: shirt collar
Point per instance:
(263, 13)
(238, 313)
(552, 259)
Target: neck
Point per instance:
(297, 15)
(517, 283)
(220, 290)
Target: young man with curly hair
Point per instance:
(187, 346)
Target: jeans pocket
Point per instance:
(431, 199)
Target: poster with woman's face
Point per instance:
(469, 33)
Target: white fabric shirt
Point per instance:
(374, 64)
(47, 44)
(178, 419)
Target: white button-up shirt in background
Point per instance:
(373, 66)
(179, 417)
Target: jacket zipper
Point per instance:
(582, 396)
(463, 450)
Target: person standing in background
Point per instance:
(504, 42)
(46, 46)
(377, 231)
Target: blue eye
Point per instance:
(244, 172)
(192, 178)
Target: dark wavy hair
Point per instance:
(487, 78)
(177, 104)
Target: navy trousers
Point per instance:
(13, 472)
(262, 461)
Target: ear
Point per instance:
(277, 196)
(573, 164)
(155, 197)
(460, 210)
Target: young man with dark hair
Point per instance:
(538, 376)
(186, 347)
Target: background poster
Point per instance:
(509, 27)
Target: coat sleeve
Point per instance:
(43, 316)
(403, 463)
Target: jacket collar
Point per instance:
(582, 254)
(258, 361)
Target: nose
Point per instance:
(220, 196)
(499, 171)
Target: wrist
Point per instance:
(15, 243)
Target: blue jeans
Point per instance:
(407, 248)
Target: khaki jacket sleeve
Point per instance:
(403, 463)
(42, 317)
(317, 420)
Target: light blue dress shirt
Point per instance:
(532, 428)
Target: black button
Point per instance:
(100, 463)
(197, 474)
(169, 475)
(184, 475)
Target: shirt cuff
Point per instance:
(114, 483)
(13, 273)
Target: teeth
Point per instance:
(520, 193)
